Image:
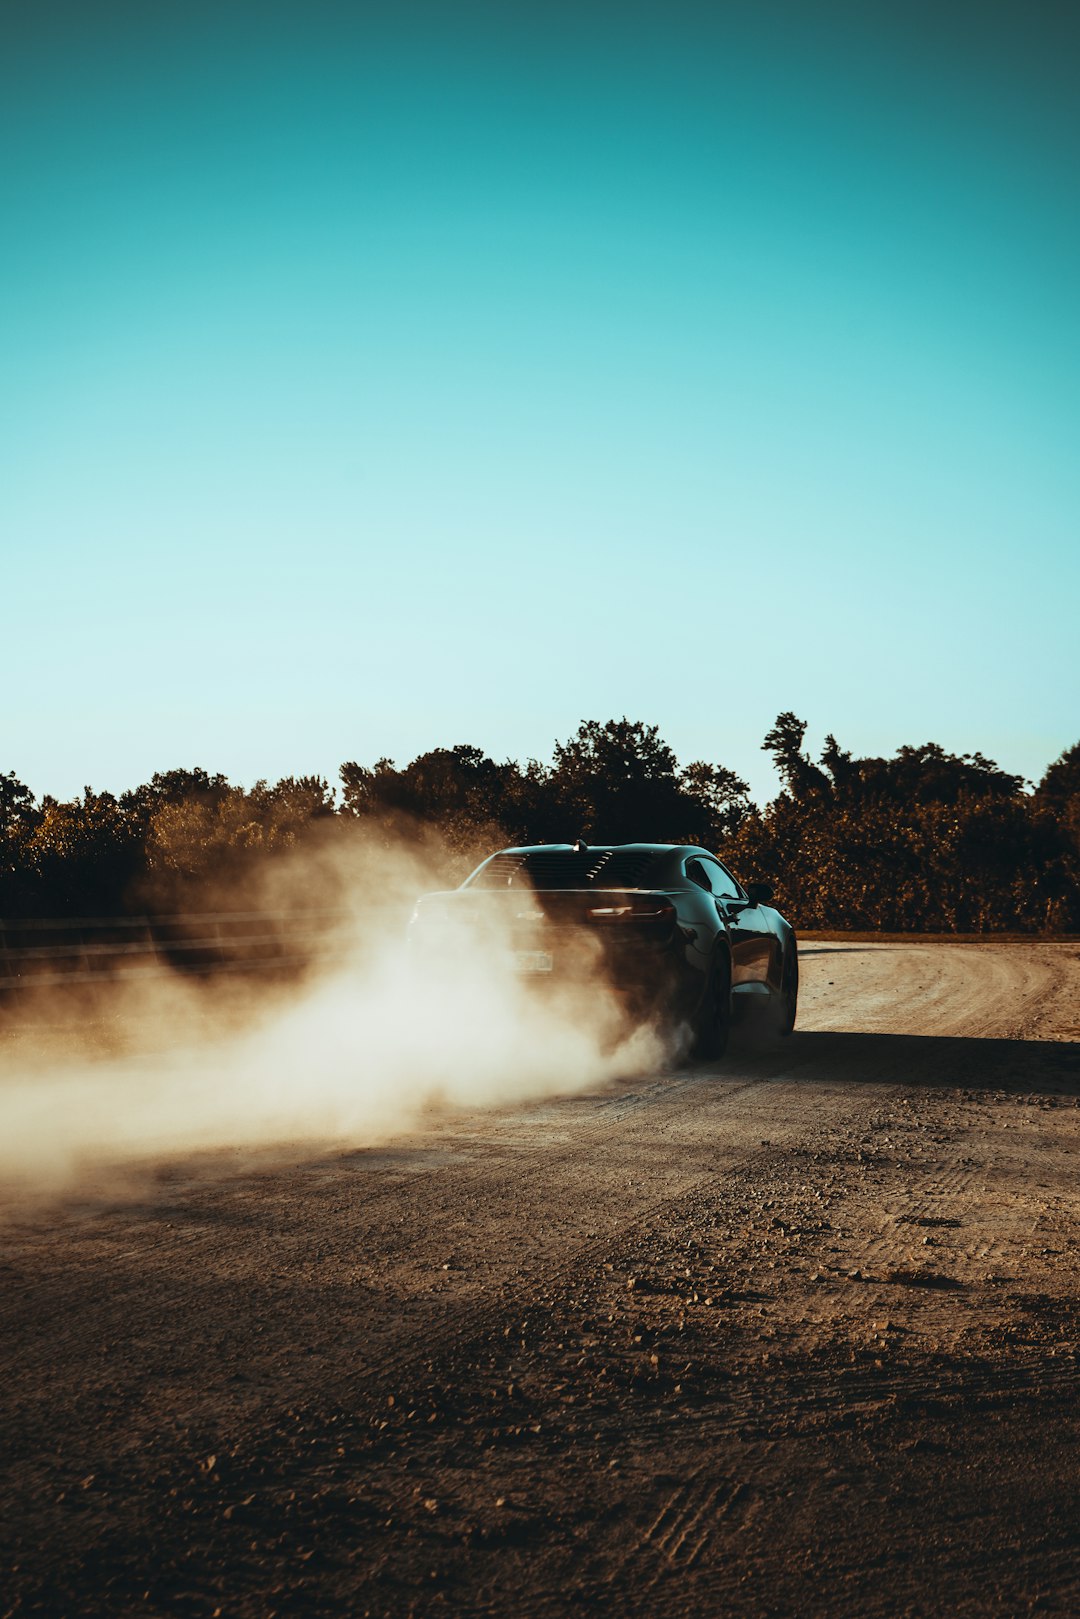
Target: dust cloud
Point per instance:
(357, 1050)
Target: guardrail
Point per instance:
(47, 952)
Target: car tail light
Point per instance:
(647, 908)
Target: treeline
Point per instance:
(924, 840)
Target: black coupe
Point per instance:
(677, 935)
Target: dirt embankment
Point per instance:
(798, 1334)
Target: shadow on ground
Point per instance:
(1036, 1067)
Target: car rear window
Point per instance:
(565, 868)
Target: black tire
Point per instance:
(788, 1008)
(712, 1021)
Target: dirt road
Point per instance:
(798, 1334)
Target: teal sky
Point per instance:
(380, 378)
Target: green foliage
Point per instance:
(155, 847)
(1057, 808)
(466, 795)
(16, 806)
(923, 840)
(80, 857)
(218, 835)
(1061, 784)
(801, 778)
(18, 818)
(620, 783)
(926, 840)
(612, 782)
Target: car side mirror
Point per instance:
(760, 893)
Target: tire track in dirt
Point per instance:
(689, 1518)
(736, 1182)
(485, 1181)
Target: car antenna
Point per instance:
(580, 846)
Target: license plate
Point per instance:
(531, 961)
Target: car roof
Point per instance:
(601, 865)
(569, 848)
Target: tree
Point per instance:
(459, 790)
(16, 805)
(720, 797)
(213, 833)
(1061, 783)
(801, 778)
(18, 818)
(1057, 804)
(929, 775)
(927, 839)
(178, 786)
(84, 855)
(617, 783)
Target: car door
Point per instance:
(750, 935)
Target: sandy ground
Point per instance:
(797, 1334)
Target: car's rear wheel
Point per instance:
(712, 1021)
(789, 993)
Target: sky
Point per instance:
(378, 378)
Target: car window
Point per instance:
(720, 881)
(696, 873)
